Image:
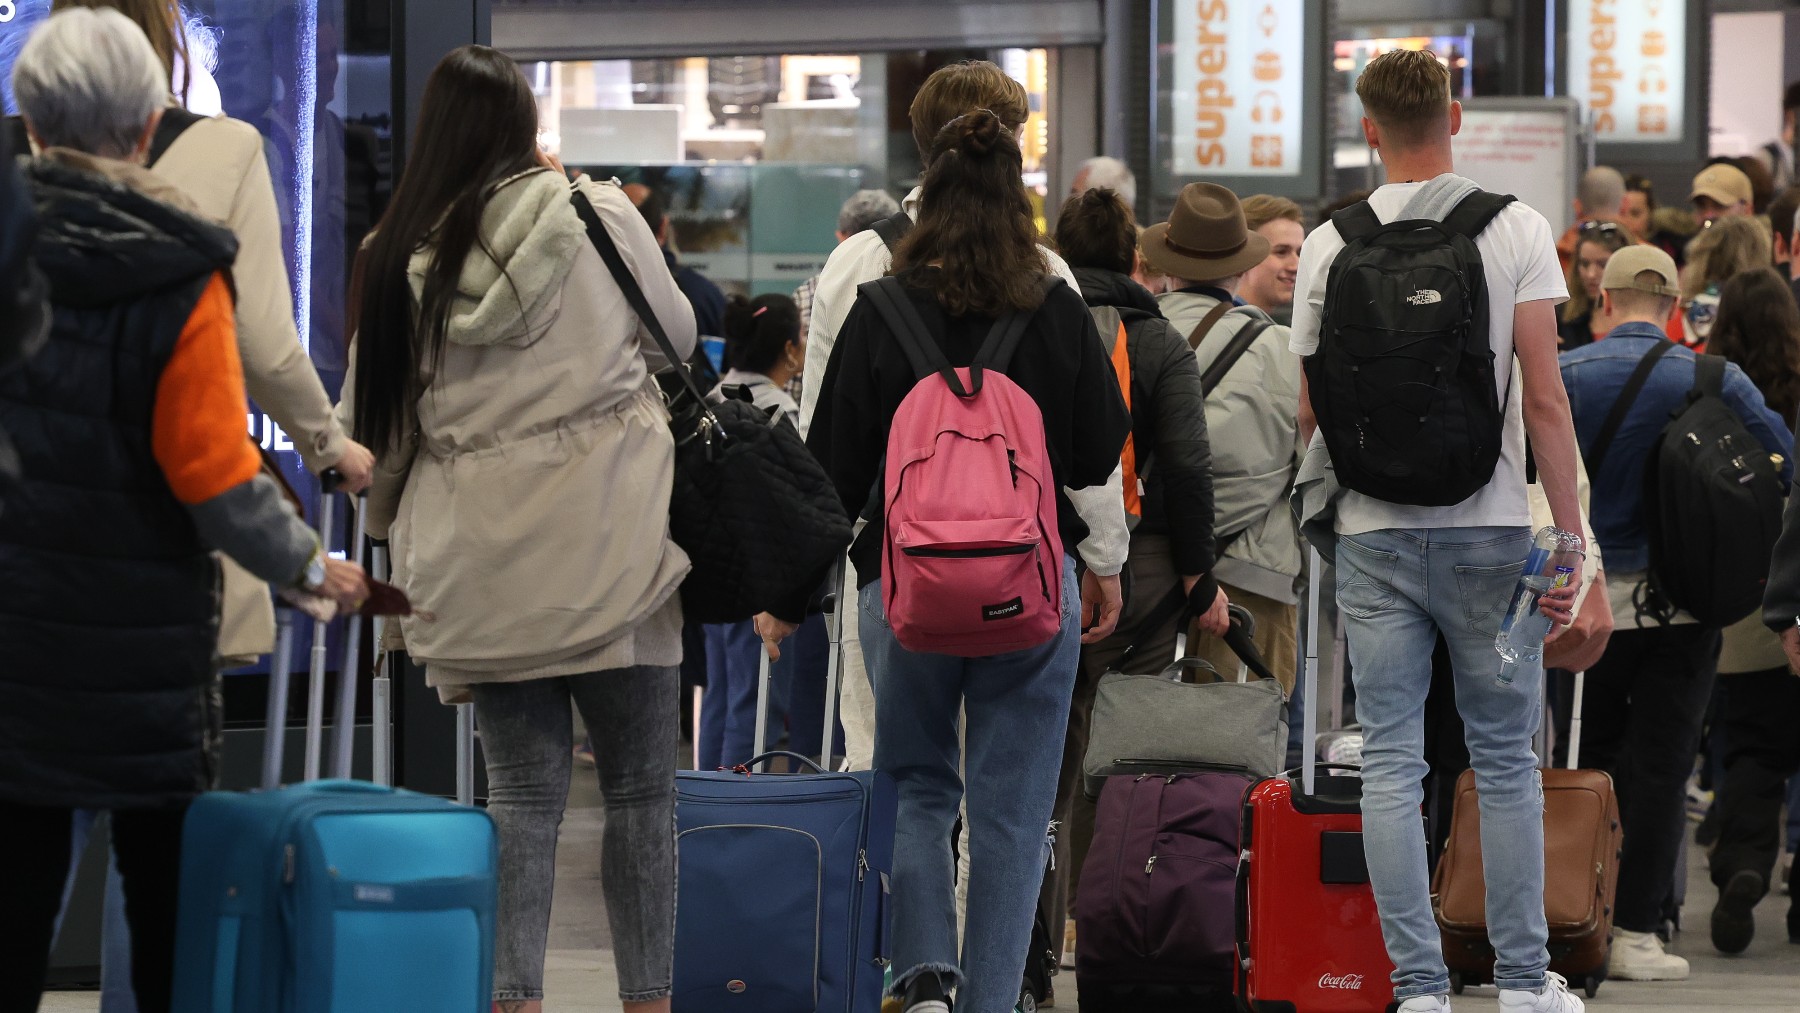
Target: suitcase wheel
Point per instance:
(1456, 983)
(1027, 1002)
(1592, 985)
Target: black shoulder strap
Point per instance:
(1240, 343)
(1622, 407)
(888, 296)
(893, 229)
(174, 123)
(1473, 213)
(1172, 605)
(1356, 221)
(1709, 376)
(997, 351)
(21, 140)
(634, 296)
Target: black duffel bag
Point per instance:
(751, 507)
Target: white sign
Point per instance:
(1628, 66)
(1526, 153)
(1236, 99)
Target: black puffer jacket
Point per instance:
(23, 310)
(108, 599)
(1168, 420)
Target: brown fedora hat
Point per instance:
(1205, 237)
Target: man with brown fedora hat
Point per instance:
(1205, 247)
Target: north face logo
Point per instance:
(1425, 297)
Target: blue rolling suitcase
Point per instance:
(333, 896)
(783, 882)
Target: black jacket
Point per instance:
(1168, 420)
(1781, 599)
(1060, 362)
(23, 311)
(108, 609)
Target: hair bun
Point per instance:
(978, 132)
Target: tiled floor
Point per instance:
(580, 977)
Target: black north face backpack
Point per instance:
(1403, 380)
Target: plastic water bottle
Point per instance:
(1554, 560)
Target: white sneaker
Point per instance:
(1639, 956)
(1554, 997)
(1425, 1004)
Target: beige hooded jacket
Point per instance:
(218, 165)
(528, 513)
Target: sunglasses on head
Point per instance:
(1604, 228)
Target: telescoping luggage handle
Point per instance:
(833, 603)
(280, 669)
(1309, 707)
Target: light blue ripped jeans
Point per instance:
(1397, 590)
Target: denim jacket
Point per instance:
(1595, 375)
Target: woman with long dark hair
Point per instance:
(971, 259)
(523, 478)
(1758, 328)
(1580, 321)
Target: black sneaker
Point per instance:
(1734, 917)
(925, 994)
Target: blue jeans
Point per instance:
(800, 676)
(1397, 590)
(728, 706)
(116, 995)
(1016, 708)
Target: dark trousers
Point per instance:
(1644, 707)
(34, 852)
(1762, 727)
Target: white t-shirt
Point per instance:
(1518, 253)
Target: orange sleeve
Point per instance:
(198, 431)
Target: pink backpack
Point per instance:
(973, 557)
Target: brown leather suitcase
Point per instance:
(1581, 878)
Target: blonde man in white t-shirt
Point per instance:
(1407, 573)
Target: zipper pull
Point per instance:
(1169, 780)
(287, 864)
(862, 865)
(1151, 864)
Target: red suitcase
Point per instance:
(1308, 934)
(1309, 938)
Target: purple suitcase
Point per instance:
(1157, 902)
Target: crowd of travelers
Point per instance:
(502, 394)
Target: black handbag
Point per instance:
(754, 511)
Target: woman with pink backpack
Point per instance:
(967, 391)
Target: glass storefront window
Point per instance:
(752, 155)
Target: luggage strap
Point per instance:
(1622, 406)
(1178, 603)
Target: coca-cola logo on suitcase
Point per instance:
(1346, 982)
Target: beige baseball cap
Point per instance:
(1726, 184)
(1623, 268)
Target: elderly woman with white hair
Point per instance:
(134, 466)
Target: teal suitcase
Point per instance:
(333, 896)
